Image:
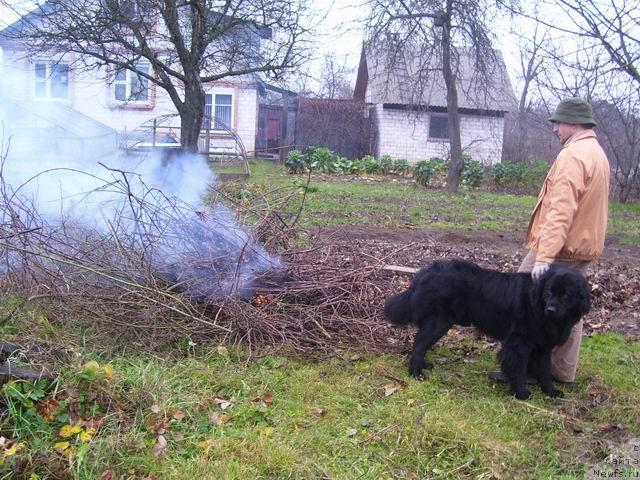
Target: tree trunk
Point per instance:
(191, 113)
(453, 178)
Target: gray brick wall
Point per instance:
(405, 134)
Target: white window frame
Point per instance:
(130, 80)
(46, 81)
(210, 107)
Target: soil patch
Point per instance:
(615, 277)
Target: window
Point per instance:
(51, 80)
(439, 127)
(129, 86)
(217, 106)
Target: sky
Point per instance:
(339, 33)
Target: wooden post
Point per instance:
(283, 126)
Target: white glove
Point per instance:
(538, 269)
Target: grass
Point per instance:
(212, 411)
(350, 417)
(339, 200)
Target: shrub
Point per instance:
(534, 174)
(343, 164)
(368, 164)
(422, 172)
(508, 174)
(439, 166)
(401, 166)
(386, 164)
(472, 172)
(322, 158)
(295, 162)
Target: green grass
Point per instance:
(293, 419)
(340, 200)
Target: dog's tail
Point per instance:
(397, 309)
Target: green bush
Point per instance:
(422, 172)
(296, 162)
(368, 164)
(519, 175)
(508, 174)
(439, 166)
(535, 174)
(386, 164)
(472, 172)
(322, 158)
(401, 166)
(343, 164)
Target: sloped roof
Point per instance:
(13, 30)
(72, 122)
(412, 79)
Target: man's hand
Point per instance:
(538, 269)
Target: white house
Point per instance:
(409, 107)
(121, 99)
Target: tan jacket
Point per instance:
(570, 217)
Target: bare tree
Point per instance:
(593, 51)
(431, 34)
(334, 79)
(176, 45)
(609, 27)
(619, 127)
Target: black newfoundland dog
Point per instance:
(530, 318)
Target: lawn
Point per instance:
(197, 409)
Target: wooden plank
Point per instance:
(398, 268)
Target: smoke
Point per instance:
(138, 206)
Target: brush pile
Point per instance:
(151, 271)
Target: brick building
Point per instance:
(409, 110)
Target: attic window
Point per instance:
(439, 127)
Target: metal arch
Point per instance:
(147, 133)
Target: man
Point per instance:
(569, 222)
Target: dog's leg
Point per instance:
(542, 364)
(425, 338)
(514, 357)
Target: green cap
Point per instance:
(573, 110)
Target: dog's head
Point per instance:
(563, 294)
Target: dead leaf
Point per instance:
(352, 432)
(222, 403)
(160, 446)
(319, 411)
(48, 409)
(267, 398)
(178, 415)
(108, 475)
(217, 419)
(155, 408)
(390, 389)
(610, 427)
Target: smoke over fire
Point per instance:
(134, 218)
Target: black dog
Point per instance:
(529, 317)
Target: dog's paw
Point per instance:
(522, 394)
(416, 368)
(555, 393)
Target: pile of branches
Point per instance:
(156, 272)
